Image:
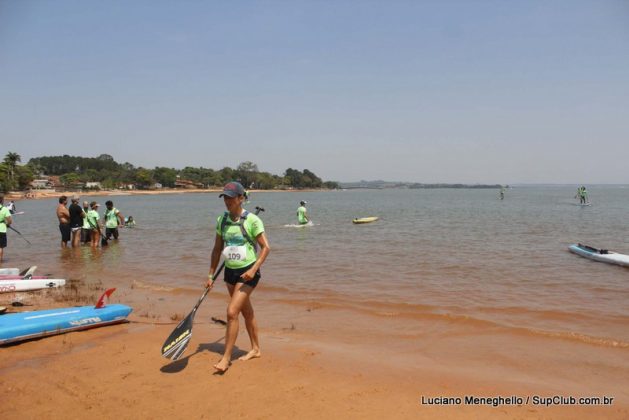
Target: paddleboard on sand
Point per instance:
(18, 277)
(601, 255)
(22, 285)
(27, 325)
(362, 220)
(17, 272)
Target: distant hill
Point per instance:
(379, 185)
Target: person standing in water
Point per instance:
(93, 221)
(5, 221)
(86, 235)
(238, 234)
(64, 221)
(113, 218)
(302, 213)
(502, 193)
(11, 207)
(76, 220)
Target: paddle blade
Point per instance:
(177, 341)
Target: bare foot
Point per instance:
(251, 355)
(222, 366)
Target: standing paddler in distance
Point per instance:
(583, 195)
(302, 213)
(238, 234)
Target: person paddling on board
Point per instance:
(5, 221)
(502, 193)
(238, 234)
(302, 213)
(582, 194)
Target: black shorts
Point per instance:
(86, 234)
(111, 231)
(65, 231)
(3, 240)
(232, 276)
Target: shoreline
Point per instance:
(38, 195)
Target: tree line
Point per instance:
(75, 170)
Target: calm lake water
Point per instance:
(458, 255)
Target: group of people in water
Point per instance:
(83, 224)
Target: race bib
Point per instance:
(235, 253)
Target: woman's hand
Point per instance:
(248, 275)
(210, 281)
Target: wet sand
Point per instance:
(308, 370)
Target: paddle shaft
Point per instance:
(18, 232)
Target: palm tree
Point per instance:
(11, 160)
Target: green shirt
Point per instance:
(233, 237)
(4, 213)
(111, 218)
(301, 215)
(92, 219)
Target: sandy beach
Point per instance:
(117, 372)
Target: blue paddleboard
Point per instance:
(27, 325)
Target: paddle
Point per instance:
(18, 232)
(177, 341)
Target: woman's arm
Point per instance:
(265, 249)
(215, 257)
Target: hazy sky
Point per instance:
(426, 91)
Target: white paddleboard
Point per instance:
(309, 224)
(599, 255)
(17, 272)
(7, 286)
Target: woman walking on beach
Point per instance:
(238, 233)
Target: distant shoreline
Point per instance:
(39, 195)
